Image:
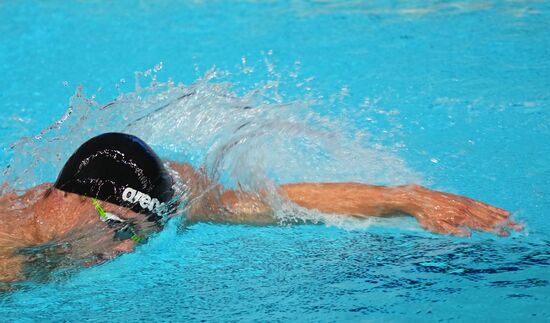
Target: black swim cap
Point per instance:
(120, 169)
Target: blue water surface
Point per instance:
(467, 86)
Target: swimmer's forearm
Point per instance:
(352, 198)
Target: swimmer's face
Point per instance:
(133, 225)
(73, 218)
(84, 204)
(80, 209)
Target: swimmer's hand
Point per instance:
(447, 213)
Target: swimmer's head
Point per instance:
(120, 169)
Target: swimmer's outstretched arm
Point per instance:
(436, 211)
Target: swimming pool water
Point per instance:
(458, 90)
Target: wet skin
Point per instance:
(44, 214)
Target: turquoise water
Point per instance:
(451, 94)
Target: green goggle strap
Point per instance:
(104, 217)
(99, 209)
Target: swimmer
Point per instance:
(114, 192)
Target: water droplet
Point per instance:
(158, 67)
(344, 91)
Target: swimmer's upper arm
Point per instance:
(203, 198)
(197, 182)
(184, 170)
(209, 202)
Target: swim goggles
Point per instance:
(127, 230)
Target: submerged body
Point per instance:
(48, 216)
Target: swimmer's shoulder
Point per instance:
(18, 217)
(22, 199)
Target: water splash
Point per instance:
(247, 138)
